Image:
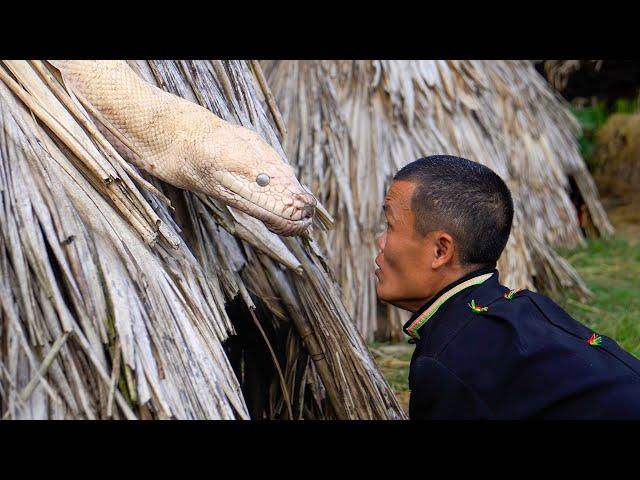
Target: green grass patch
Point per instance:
(611, 269)
(393, 360)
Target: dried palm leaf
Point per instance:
(559, 71)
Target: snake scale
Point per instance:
(189, 147)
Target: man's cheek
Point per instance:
(392, 258)
(387, 251)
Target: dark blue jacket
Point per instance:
(523, 357)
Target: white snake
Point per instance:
(189, 147)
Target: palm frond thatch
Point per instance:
(558, 72)
(616, 157)
(352, 124)
(118, 293)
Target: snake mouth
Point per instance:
(275, 222)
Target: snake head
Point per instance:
(235, 165)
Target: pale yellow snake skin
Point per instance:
(189, 147)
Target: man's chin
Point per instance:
(382, 297)
(390, 300)
(394, 303)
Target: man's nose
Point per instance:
(381, 240)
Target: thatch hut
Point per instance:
(123, 297)
(616, 157)
(352, 124)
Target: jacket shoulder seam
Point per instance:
(470, 318)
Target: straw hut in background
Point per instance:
(616, 157)
(123, 297)
(352, 124)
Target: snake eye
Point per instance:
(263, 179)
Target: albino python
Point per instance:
(189, 147)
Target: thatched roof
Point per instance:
(352, 124)
(558, 72)
(118, 294)
(616, 157)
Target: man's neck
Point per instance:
(447, 278)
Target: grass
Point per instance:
(393, 361)
(610, 268)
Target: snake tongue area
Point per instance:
(293, 220)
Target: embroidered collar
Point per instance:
(425, 312)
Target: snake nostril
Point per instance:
(306, 198)
(308, 211)
(312, 200)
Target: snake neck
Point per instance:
(144, 114)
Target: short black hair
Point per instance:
(464, 198)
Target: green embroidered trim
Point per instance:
(428, 313)
(595, 340)
(511, 293)
(477, 308)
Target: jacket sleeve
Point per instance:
(437, 393)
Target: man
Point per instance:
(483, 350)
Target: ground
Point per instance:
(610, 268)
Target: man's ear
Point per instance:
(443, 249)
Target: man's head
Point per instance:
(446, 216)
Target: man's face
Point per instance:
(404, 257)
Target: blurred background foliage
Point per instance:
(594, 115)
